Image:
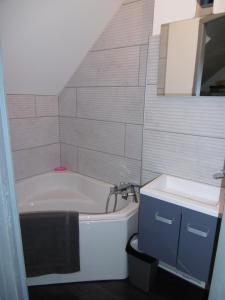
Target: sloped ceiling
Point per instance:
(44, 41)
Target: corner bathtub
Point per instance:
(103, 237)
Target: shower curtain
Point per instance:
(12, 270)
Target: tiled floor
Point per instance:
(167, 287)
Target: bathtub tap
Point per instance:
(123, 189)
(219, 175)
(128, 189)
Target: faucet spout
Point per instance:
(219, 175)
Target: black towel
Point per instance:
(50, 242)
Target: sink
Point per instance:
(201, 197)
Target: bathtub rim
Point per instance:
(124, 213)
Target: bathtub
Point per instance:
(103, 237)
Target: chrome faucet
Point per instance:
(125, 190)
(219, 175)
(128, 189)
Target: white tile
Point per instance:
(133, 141)
(32, 132)
(117, 67)
(193, 157)
(21, 106)
(69, 157)
(67, 102)
(130, 26)
(109, 168)
(203, 116)
(143, 65)
(111, 104)
(35, 161)
(47, 106)
(96, 135)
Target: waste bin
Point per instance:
(142, 268)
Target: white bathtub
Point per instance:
(103, 237)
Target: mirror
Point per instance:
(192, 57)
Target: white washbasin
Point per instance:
(190, 194)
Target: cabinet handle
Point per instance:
(197, 231)
(162, 219)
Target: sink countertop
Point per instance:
(201, 197)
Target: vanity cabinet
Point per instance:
(196, 243)
(159, 226)
(178, 236)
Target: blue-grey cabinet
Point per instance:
(196, 244)
(180, 237)
(159, 226)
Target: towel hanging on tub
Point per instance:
(50, 242)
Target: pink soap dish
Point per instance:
(60, 169)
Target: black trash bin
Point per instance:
(142, 268)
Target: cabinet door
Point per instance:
(196, 243)
(159, 224)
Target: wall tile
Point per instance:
(108, 167)
(147, 176)
(96, 135)
(143, 65)
(67, 102)
(67, 131)
(21, 106)
(69, 155)
(47, 106)
(117, 67)
(111, 104)
(153, 60)
(130, 1)
(131, 26)
(33, 132)
(191, 115)
(133, 141)
(193, 157)
(35, 161)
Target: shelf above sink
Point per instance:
(201, 197)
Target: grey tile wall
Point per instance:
(129, 27)
(102, 106)
(38, 160)
(118, 104)
(69, 157)
(34, 128)
(107, 167)
(68, 102)
(183, 136)
(133, 141)
(21, 106)
(91, 134)
(113, 67)
(33, 132)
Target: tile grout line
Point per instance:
(34, 117)
(101, 120)
(99, 151)
(35, 147)
(125, 138)
(102, 86)
(183, 133)
(131, 2)
(120, 47)
(59, 133)
(76, 102)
